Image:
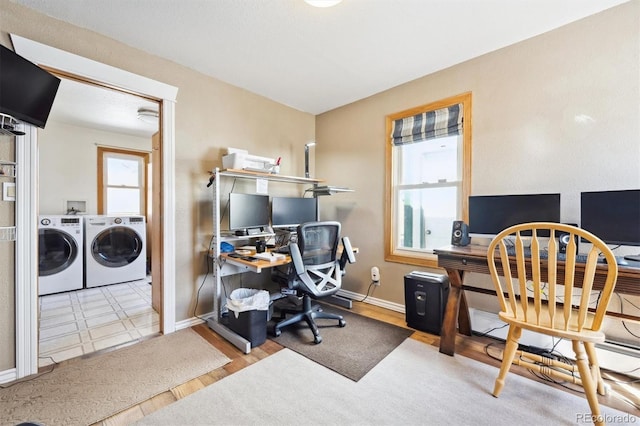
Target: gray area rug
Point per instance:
(352, 350)
(88, 390)
(414, 385)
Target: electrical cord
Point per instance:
(35, 376)
(368, 291)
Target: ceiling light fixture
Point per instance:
(322, 3)
(148, 115)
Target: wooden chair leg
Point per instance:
(587, 381)
(595, 367)
(507, 357)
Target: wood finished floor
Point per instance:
(472, 347)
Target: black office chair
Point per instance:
(315, 272)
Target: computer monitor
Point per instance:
(613, 216)
(248, 213)
(490, 214)
(289, 212)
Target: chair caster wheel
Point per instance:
(317, 339)
(276, 333)
(342, 323)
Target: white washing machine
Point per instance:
(60, 253)
(115, 249)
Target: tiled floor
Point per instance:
(84, 321)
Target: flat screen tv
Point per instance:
(289, 212)
(613, 216)
(27, 91)
(490, 214)
(248, 212)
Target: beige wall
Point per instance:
(210, 116)
(72, 176)
(525, 137)
(7, 262)
(557, 113)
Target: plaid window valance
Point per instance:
(428, 125)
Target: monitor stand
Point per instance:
(634, 257)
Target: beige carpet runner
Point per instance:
(85, 391)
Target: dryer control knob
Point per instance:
(45, 222)
(117, 220)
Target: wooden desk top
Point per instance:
(257, 266)
(473, 258)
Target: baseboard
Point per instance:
(356, 297)
(7, 376)
(190, 322)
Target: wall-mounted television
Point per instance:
(490, 214)
(248, 212)
(289, 212)
(613, 216)
(27, 91)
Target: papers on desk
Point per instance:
(270, 256)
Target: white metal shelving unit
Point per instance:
(8, 127)
(214, 251)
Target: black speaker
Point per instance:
(460, 234)
(563, 239)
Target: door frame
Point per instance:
(90, 70)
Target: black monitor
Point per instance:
(612, 216)
(289, 212)
(248, 213)
(490, 214)
(27, 91)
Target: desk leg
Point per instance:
(450, 322)
(464, 320)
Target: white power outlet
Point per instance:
(375, 275)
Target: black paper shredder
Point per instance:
(425, 299)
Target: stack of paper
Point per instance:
(269, 256)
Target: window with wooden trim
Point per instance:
(428, 178)
(122, 181)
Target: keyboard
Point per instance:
(580, 258)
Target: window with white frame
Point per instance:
(122, 181)
(428, 178)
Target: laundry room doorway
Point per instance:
(95, 136)
(97, 74)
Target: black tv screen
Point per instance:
(612, 216)
(289, 212)
(490, 214)
(248, 211)
(27, 91)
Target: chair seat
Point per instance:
(571, 333)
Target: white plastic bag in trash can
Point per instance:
(248, 299)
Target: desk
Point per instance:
(226, 266)
(458, 260)
(246, 266)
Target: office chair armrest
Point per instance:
(296, 258)
(347, 253)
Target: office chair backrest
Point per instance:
(318, 242)
(538, 276)
(316, 268)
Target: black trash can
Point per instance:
(247, 316)
(425, 299)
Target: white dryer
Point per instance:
(115, 249)
(60, 253)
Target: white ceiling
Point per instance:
(318, 59)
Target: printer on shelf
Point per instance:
(240, 159)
